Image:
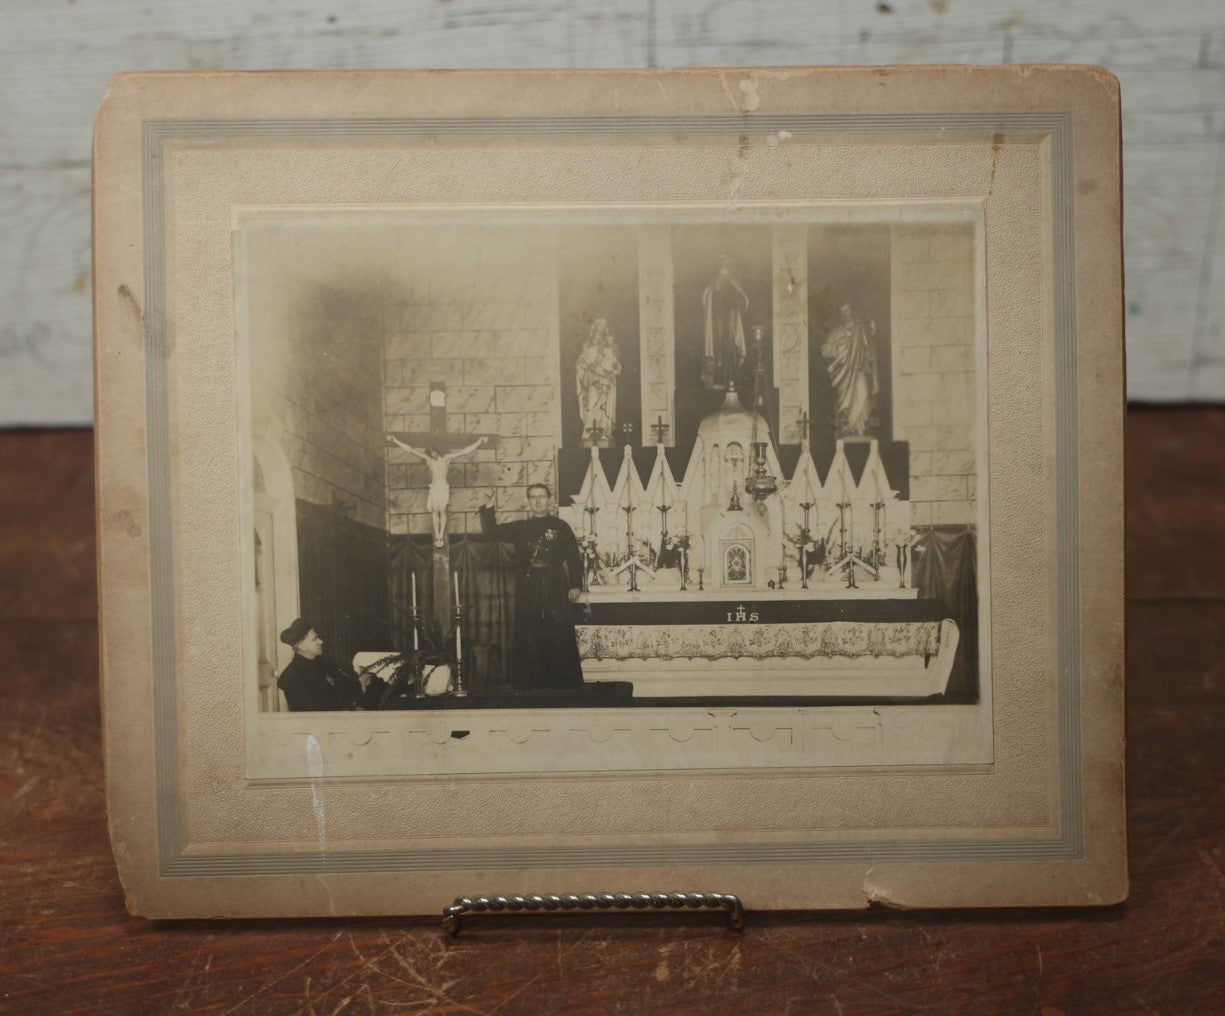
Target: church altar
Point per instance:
(711, 529)
(736, 580)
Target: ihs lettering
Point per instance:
(742, 616)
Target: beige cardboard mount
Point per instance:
(245, 222)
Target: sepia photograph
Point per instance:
(674, 460)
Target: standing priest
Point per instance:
(548, 580)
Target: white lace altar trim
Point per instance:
(759, 641)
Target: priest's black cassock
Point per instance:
(316, 686)
(547, 566)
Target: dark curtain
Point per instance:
(487, 589)
(945, 568)
(342, 581)
(409, 556)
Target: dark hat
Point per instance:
(296, 632)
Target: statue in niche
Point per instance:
(853, 373)
(724, 303)
(596, 380)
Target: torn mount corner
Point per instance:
(465, 905)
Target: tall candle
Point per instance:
(457, 589)
(416, 644)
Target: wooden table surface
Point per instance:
(67, 945)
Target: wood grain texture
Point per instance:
(55, 59)
(67, 946)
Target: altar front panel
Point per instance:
(771, 648)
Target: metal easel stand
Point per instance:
(465, 905)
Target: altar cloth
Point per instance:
(882, 648)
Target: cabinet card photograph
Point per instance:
(521, 482)
(558, 461)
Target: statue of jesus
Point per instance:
(853, 372)
(724, 304)
(440, 490)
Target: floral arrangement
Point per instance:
(593, 564)
(677, 542)
(803, 542)
(675, 551)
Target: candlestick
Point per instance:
(460, 690)
(414, 615)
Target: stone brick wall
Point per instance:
(934, 401)
(481, 316)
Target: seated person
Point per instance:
(310, 682)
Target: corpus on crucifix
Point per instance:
(431, 448)
(440, 490)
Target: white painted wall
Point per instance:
(56, 56)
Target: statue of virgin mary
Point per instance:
(596, 381)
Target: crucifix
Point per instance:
(595, 434)
(803, 423)
(661, 430)
(438, 449)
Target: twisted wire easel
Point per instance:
(463, 906)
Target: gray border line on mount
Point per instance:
(1067, 845)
